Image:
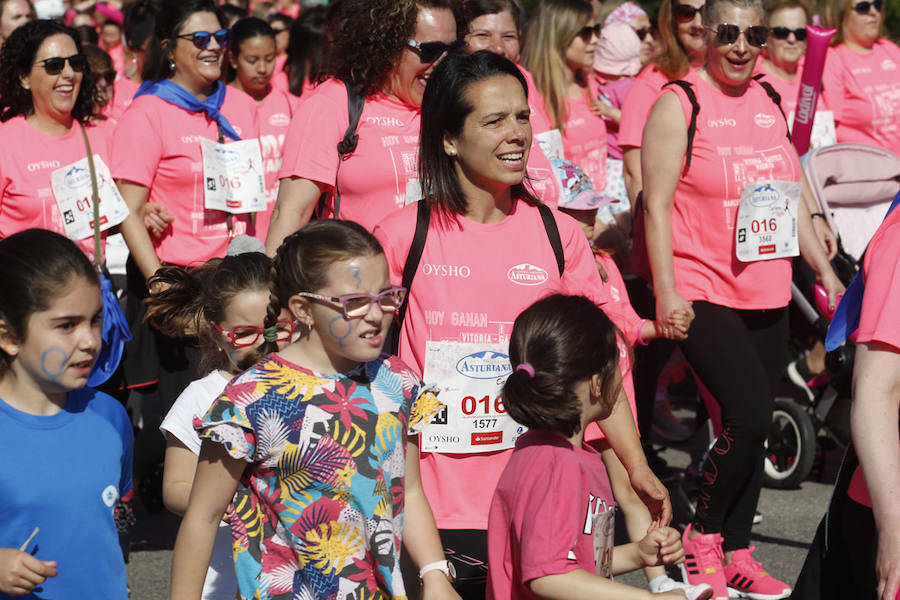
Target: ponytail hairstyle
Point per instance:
(563, 340)
(36, 265)
(302, 261)
(193, 299)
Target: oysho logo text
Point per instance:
(385, 121)
(42, 164)
(723, 122)
(461, 271)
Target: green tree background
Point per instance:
(891, 21)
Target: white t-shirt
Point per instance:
(194, 401)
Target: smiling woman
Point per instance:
(384, 50)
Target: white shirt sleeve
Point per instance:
(194, 401)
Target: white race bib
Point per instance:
(71, 187)
(767, 221)
(603, 531)
(470, 377)
(823, 132)
(233, 176)
(413, 191)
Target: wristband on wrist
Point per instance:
(444, 566)
(817, 216)
(640, 335)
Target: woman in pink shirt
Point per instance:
(252, 59)
(488, 253)
(723, 219)
(496, 25)
(385, 51)
(46, 97)
(785, 48)
(303, 55)
(862, 75)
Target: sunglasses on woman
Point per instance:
(862, 8)
(728, 34)
(431, 51)
(355, 306)
(782, 33)
(55, 65)
(248, 335)
(685, 13)
(589, 31)
(201, 39)
(643, 32)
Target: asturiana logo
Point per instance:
(486, 364)
(764, 120)
(764, 195)
(77, 176)
(526, 274)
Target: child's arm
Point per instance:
(214, 485)
(582, 585)
(420, 535)
(20, 572)
(178, 475)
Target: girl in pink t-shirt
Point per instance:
(387, 62)
(488, 252)
(861, 83)
(252, 61)
(550, 529)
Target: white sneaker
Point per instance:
(664, 583)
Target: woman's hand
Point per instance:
(673, 310)
(653, 494)
(20, 572)
(156, 218)
(832, 285)
(826, 237)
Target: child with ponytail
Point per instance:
(317, 434)
(223, 304)
(549, 522)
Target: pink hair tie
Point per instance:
(527, 368)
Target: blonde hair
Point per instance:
(551, 29)
(834, 12)
(674, 62)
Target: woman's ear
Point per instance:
(25, 81)
(299, 309)
(9, 341)
(449, 146)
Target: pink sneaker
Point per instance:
(703, 562)
(746, 578)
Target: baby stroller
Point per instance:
(854, 186)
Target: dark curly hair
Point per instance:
(17, 59)
(367, 37)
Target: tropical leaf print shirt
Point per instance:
(319, 513)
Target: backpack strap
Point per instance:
(776, 98)
(553, 235)
(347, 145)
(423, 219)
(692, 126)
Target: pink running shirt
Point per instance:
(27, 159)
(863, 90)
(540, 172)
(638, 102)
(373, 179)
(157, 145)
(879, 320)
(274, 117)
(739, 141)
(124, 91)
(616, 91)
(469, 288)
(584, 138)
(541, 514)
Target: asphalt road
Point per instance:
(790, 518)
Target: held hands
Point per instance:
(674, 312)
(661, 546)
(156, 218)
(20, 572)
(675, 328)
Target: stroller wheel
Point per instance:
(790, 447)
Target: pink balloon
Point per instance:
(810, 84)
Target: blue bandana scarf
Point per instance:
(846, 317)
(175, 94)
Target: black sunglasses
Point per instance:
(55, 65)
(431, 51)
(862, 8)
(728, 34)
(201, 39)
(643, 32)
(685, 13)
(589, 31)
(782, 33)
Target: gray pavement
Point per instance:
(790, 518)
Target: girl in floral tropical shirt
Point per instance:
(316, 435)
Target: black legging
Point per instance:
(739, 356)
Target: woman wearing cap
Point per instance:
(861, 83)
(384, 50)
(476, 137)
(723, 219)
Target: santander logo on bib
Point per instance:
(764, 120)
(526, 274)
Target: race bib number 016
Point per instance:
(233, 176)
(767, 221)
(470, 377)
(73, 192)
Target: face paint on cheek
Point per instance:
(354, 270)
(53, 362)
(335, 325)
